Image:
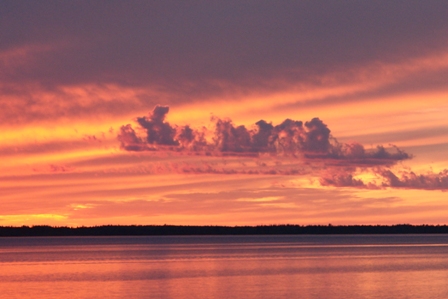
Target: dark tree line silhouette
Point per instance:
(170, 230)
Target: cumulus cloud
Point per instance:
(341, 179)
(310, 143)
(229, 138)
(307, 140)
(129, 140)
(355, 153)
(158, 131)
(191, 139)
(389, 179)
(411, 180)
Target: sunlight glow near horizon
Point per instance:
(96, 197)
(66, 96)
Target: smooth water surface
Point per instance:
(330, 267)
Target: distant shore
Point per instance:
(170, 230)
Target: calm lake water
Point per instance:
(326, 267)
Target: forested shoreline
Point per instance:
(170, 230)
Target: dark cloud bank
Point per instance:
(185, 46)
(310, 142)
(184, 51)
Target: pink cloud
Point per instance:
(411, 180)
(309, 140)
(405, 180)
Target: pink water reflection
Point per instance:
(225, 270)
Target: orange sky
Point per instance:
(363, 72)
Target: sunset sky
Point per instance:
(223, 112)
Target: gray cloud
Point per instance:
(186, 46)
(341, 180)
(309, 140)
(176, 53)
(158, 131)
(129, 140)
(406, 179)
(411, 180)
